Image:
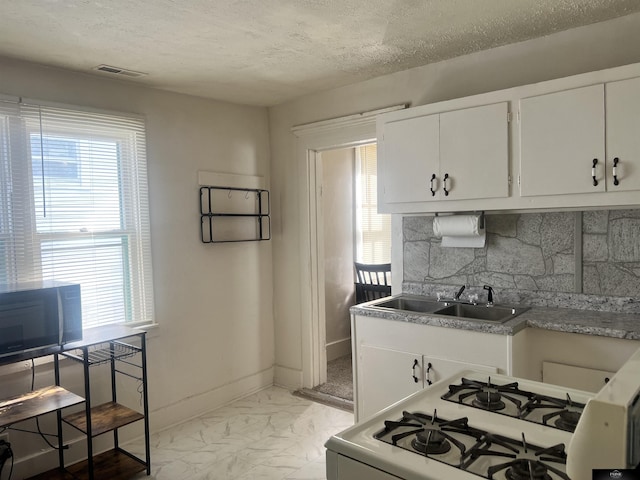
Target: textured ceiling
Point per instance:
(264, 52)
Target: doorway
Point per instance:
(336, 226)
(349, 230)
(311, 140)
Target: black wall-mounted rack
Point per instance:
(232, 214)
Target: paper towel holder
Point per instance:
(480, 220)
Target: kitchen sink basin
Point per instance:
(480, 312)
(410, 305)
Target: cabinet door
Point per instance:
(580, 378)
(623, 140)
(411, 151)
(561, 134)
(436, 369)
(474, 152)
(386, 377)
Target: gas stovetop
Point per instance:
(459, 444)
(558, 411)
(470, 426)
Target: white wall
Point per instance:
(337, 202)
(580, 50)
(213, 303)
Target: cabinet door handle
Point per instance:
(444, 184)
(614, 170)
(593, 172)
(413, 370)
(427, 375)
(433, 192)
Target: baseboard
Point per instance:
(338, 349)
(288, 378)
(196, 405)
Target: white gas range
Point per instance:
(472, 426)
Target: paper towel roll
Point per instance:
(457, 225)
(459, 231)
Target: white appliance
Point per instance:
(472, 426)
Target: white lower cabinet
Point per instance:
(391, 375)
(395, 359)
(386, 376)
(574, 360)
(580, 378)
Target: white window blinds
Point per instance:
(74, 207)
(373, 230)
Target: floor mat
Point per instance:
(339, 379)
(325, 399)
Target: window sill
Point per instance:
(152, 329)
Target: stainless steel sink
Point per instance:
(416, 304)
(496, 314)
(410, 305)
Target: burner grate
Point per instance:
(565, 412)
(487, 396)
(430, 434)
(510, 400)
(478, 452)
(527, 462)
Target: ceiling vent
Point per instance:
(118, 71)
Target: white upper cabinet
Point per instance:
(474, 152)
(457, 155)
(564, 133)
(623, 135)
(574, 143)
(561, 138)
(411, 156)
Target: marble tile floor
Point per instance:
(270, 435)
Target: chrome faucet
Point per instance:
(456, 297)
(489, 295)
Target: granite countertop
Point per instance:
(589, 322)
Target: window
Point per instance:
(373, 230)
(74, 208)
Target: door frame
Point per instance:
(312, 139)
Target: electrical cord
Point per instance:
(33, 382)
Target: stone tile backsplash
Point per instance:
(588, 260)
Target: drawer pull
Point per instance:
(444, 184)
(427, 375)
(615, 171)
(433, 192)
(593, 172)
(413, 370)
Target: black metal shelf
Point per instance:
(99, 345)
(110, 345)
(104, 353)
(251, 204)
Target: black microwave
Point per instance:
(38, 315)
